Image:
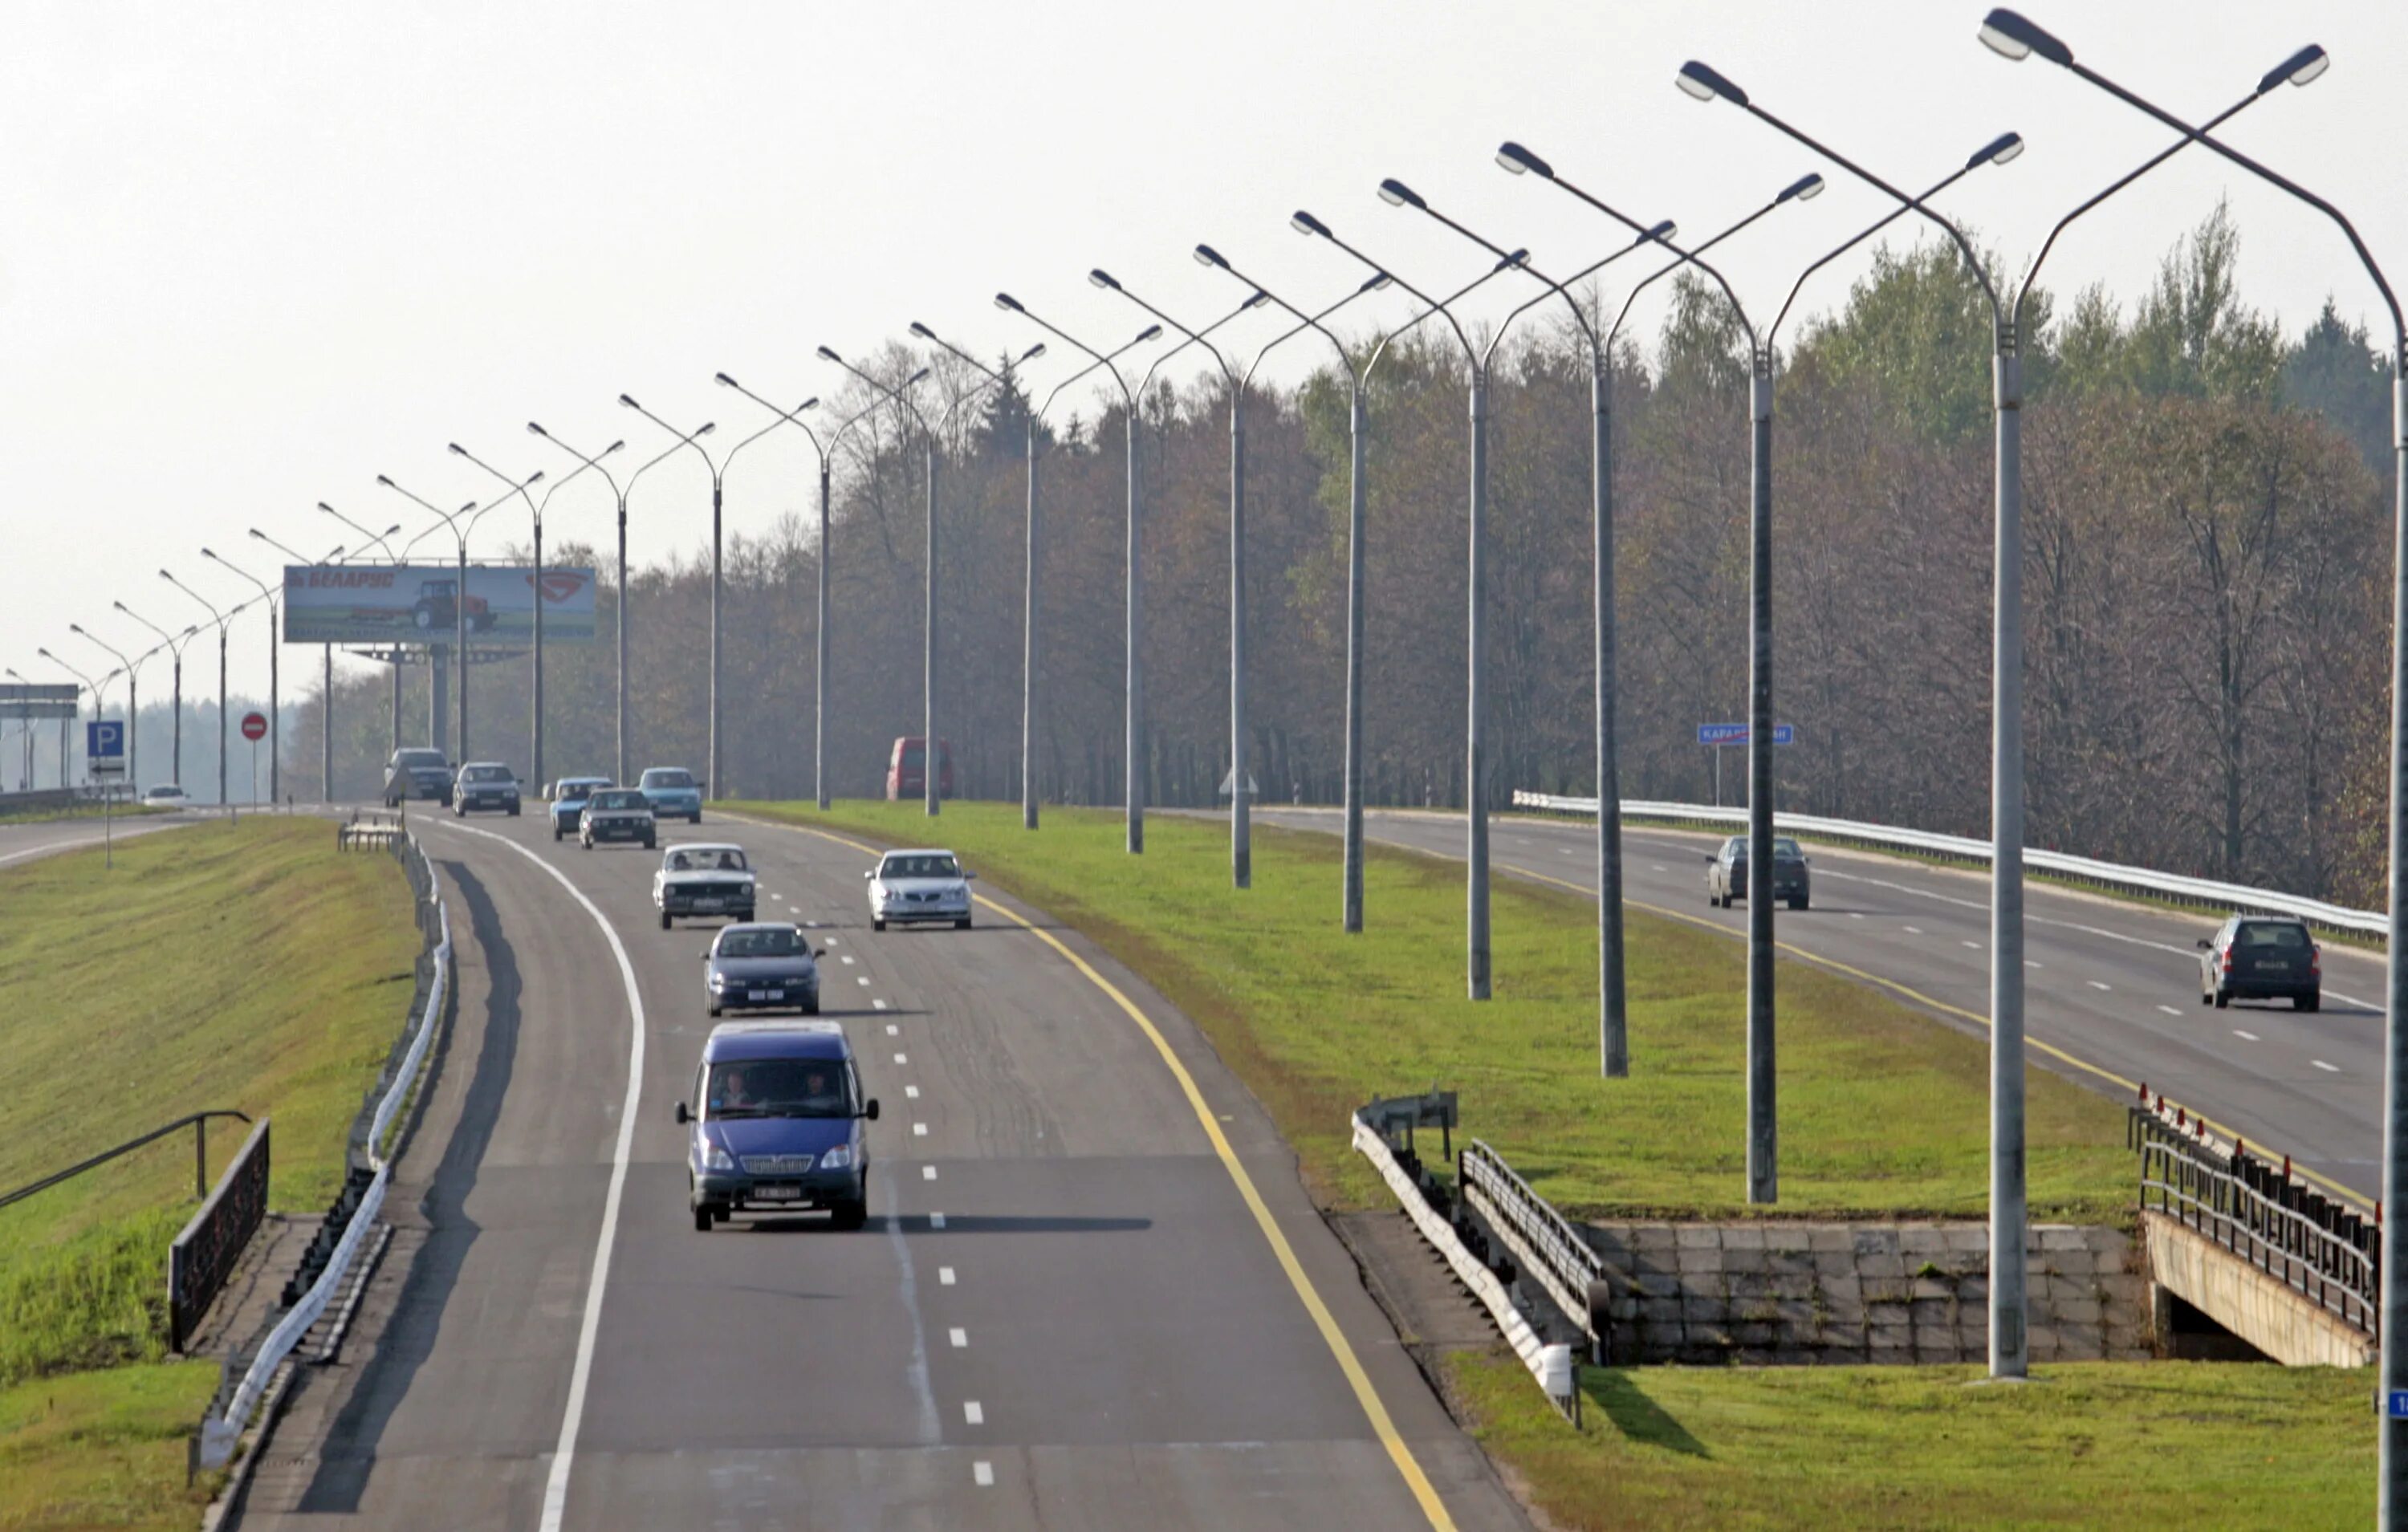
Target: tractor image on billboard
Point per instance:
(438, 607)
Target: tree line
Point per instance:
(2206, 566)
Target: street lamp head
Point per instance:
(121, 607)
(387, 482)
(1518, 160)
(457, 451)
(536, 430)
(258, 535)
(77, 627)
(1662, 233)
(1259, 299)
(622, 442)
(1101, 277)
(1509, 262)
(915, 377)
(629, 402)
(1375, 281)
(722, 380)
(1998, 150)
(828, 355)
(1008, 303)
(537, 479)
(2011, 37)
(1395, 194)
(1696, 79)
(1805, 188)
(1152, 332)
(922, 331)
(1031, 354)
(1304, 222)
(210, 554)
(2301, 68)
(1207, 256)
(707, 427)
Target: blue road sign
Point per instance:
(1736, 733)
(2396, 1404)
(105, 740)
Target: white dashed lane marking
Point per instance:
(928, 1172)
(2170, 1010)
(919, 1130)
(985, 1474)
(862, 981)
(2329, 1068)
(912, 1092)
(881, 1005)
(902, 1058)
(973, 1413)
(1914, 930)
(959, 1336)
(2097, 985)
(846, 958)
(2251, 1036)
(1975, 945)
(945, 1276)
(892, 1030)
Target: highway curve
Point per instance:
(2113, 986)
(1066, 1310)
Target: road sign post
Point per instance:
(255, 728)
(104, 750)
(1721, 737)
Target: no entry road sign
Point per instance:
(1736, 733)
(254, 727)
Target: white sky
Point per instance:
(253, 256)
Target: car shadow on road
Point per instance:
(347, 1457)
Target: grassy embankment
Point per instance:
(1882, 1112)
(217, 966)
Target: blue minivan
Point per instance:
(777, 1126)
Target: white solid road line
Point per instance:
(564, 1455)
(2251, 1035)
(2328, 1068)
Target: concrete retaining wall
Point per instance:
(1868, 1293)
(2285, 1324)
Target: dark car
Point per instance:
(417, 772)
(1727, 873)
(777, 1127)
(485, 784)
(2261, 958)
(760, 967)
(617, 813)
(569, 797)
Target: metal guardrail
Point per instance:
(211, 1242)
(2255, 1208)
(2160, 885)
(1547, 1246)
(354, 1213)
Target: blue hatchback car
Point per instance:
(569, 797)
(777, 1127)
(673, 793)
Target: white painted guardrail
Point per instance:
(219, 1433)
(1549, 1365)
(2162, 885)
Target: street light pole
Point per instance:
(460, 604)
(535, 709)
(275, 710)
(1475, 797)
(133, 700)
(378, 538)
(219, 618)
(90, 685)
(326, 681)
(2014, 37)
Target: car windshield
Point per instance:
(418, 758)
(616, 799)
(664, 777)
(486, 774)
(779, 1088)
(707, 859)
(913, 755)
(938, 866)
(763, 942)
(574, 790)
(167, 792)
(2279, 935)
(1785, 848)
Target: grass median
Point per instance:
(219, 965)
(2231, 1445)
(1884, 1112)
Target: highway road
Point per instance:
(23, 843)
(1089, 1296)
(2114, 986)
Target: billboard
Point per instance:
(424, 604)
(30, 700)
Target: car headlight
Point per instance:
(719, 981)
(839, 1158)
(716, 1158)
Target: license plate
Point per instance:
(2274, 967)
(776, 1193)
(708, 904)
(756, 996)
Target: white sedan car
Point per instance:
(922, 886)
(698, 879)
(166, 796)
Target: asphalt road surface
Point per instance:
(23, 843)
(1069, 1310)
(2111, 984)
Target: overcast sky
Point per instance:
(253, 255)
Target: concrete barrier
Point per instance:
(2278, 1320)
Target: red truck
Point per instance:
(907, 766)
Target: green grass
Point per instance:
(104, 1449)
(246, 966)
(2092, 1444)
(1883, 1111)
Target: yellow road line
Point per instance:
(2131, 1087)
(1340, 1347)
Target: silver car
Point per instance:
(926, 886)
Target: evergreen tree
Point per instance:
(2334, 373)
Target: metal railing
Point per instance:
(328, 1260)
(2082, 869)
(1546, 1244)
(2255, 1208)
(198, 1121)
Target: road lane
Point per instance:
(2111, 983)
(1053, 1241)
